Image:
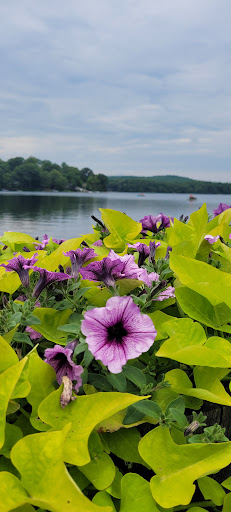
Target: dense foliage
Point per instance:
(114, 350)
(35, 174)
(166, 184)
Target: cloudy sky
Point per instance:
(125, 87)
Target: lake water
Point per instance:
(68, 214)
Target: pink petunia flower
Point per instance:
(118, 332)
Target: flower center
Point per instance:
(60, 360)
(116, 332)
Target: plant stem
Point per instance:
(24, 412)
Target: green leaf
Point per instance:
(12, 239)
(12, 435)
(188, 345)
(42, 378)
(179, 417)
(9, 281)
(8, 357)
(73, 328)
(124, 444)
(12, 407)
(12, 492)
(149, 408)
(8, 336)
(134, 375)
(136, 495)
(211, 490)
(97, 297)
(27, 508)
(132, 416)
(125, 286)
(177, 403)
(227, 503)
(57, 257)
(50, 320)
(85, 413)
(178, 466)
(115, 488)
(32, 319)
(208, 385)
(199, 308)
(227, 483)
(21, 337)
(79, 478)
(118, 381)
(204, 279)
(100, 471)
(197, 509)
(102, 498)
(186, 238)
(159, 319)
(122, 229)
(39, 459)
(8, 381)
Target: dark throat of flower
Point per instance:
(116, 332)
(60, 360)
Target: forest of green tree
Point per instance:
(34, 174)
(167, 184)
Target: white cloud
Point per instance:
(119, 86)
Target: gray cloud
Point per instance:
(123, 87)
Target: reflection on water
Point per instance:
(67, 215)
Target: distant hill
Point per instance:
(168, 184)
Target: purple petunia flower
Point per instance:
(105, 270)
(46, 278)
(129, 269)
(211, 239)
(22, 266)
(221, 208)
(78, 258)
(98, 243)
(168, 293)
(153, 246)
(155, 223)
(148, 279)
(43, 244)
(34, 335)
(118, 332)
(60, 358)
(59, 242)
(143, 251)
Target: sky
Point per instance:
(121, 86)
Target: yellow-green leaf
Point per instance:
(178, 466)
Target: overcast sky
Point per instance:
(121, 86)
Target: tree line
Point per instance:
(166, 184)
(34, 174)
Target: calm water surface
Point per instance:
(68, 214)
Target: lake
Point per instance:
(68, 214)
